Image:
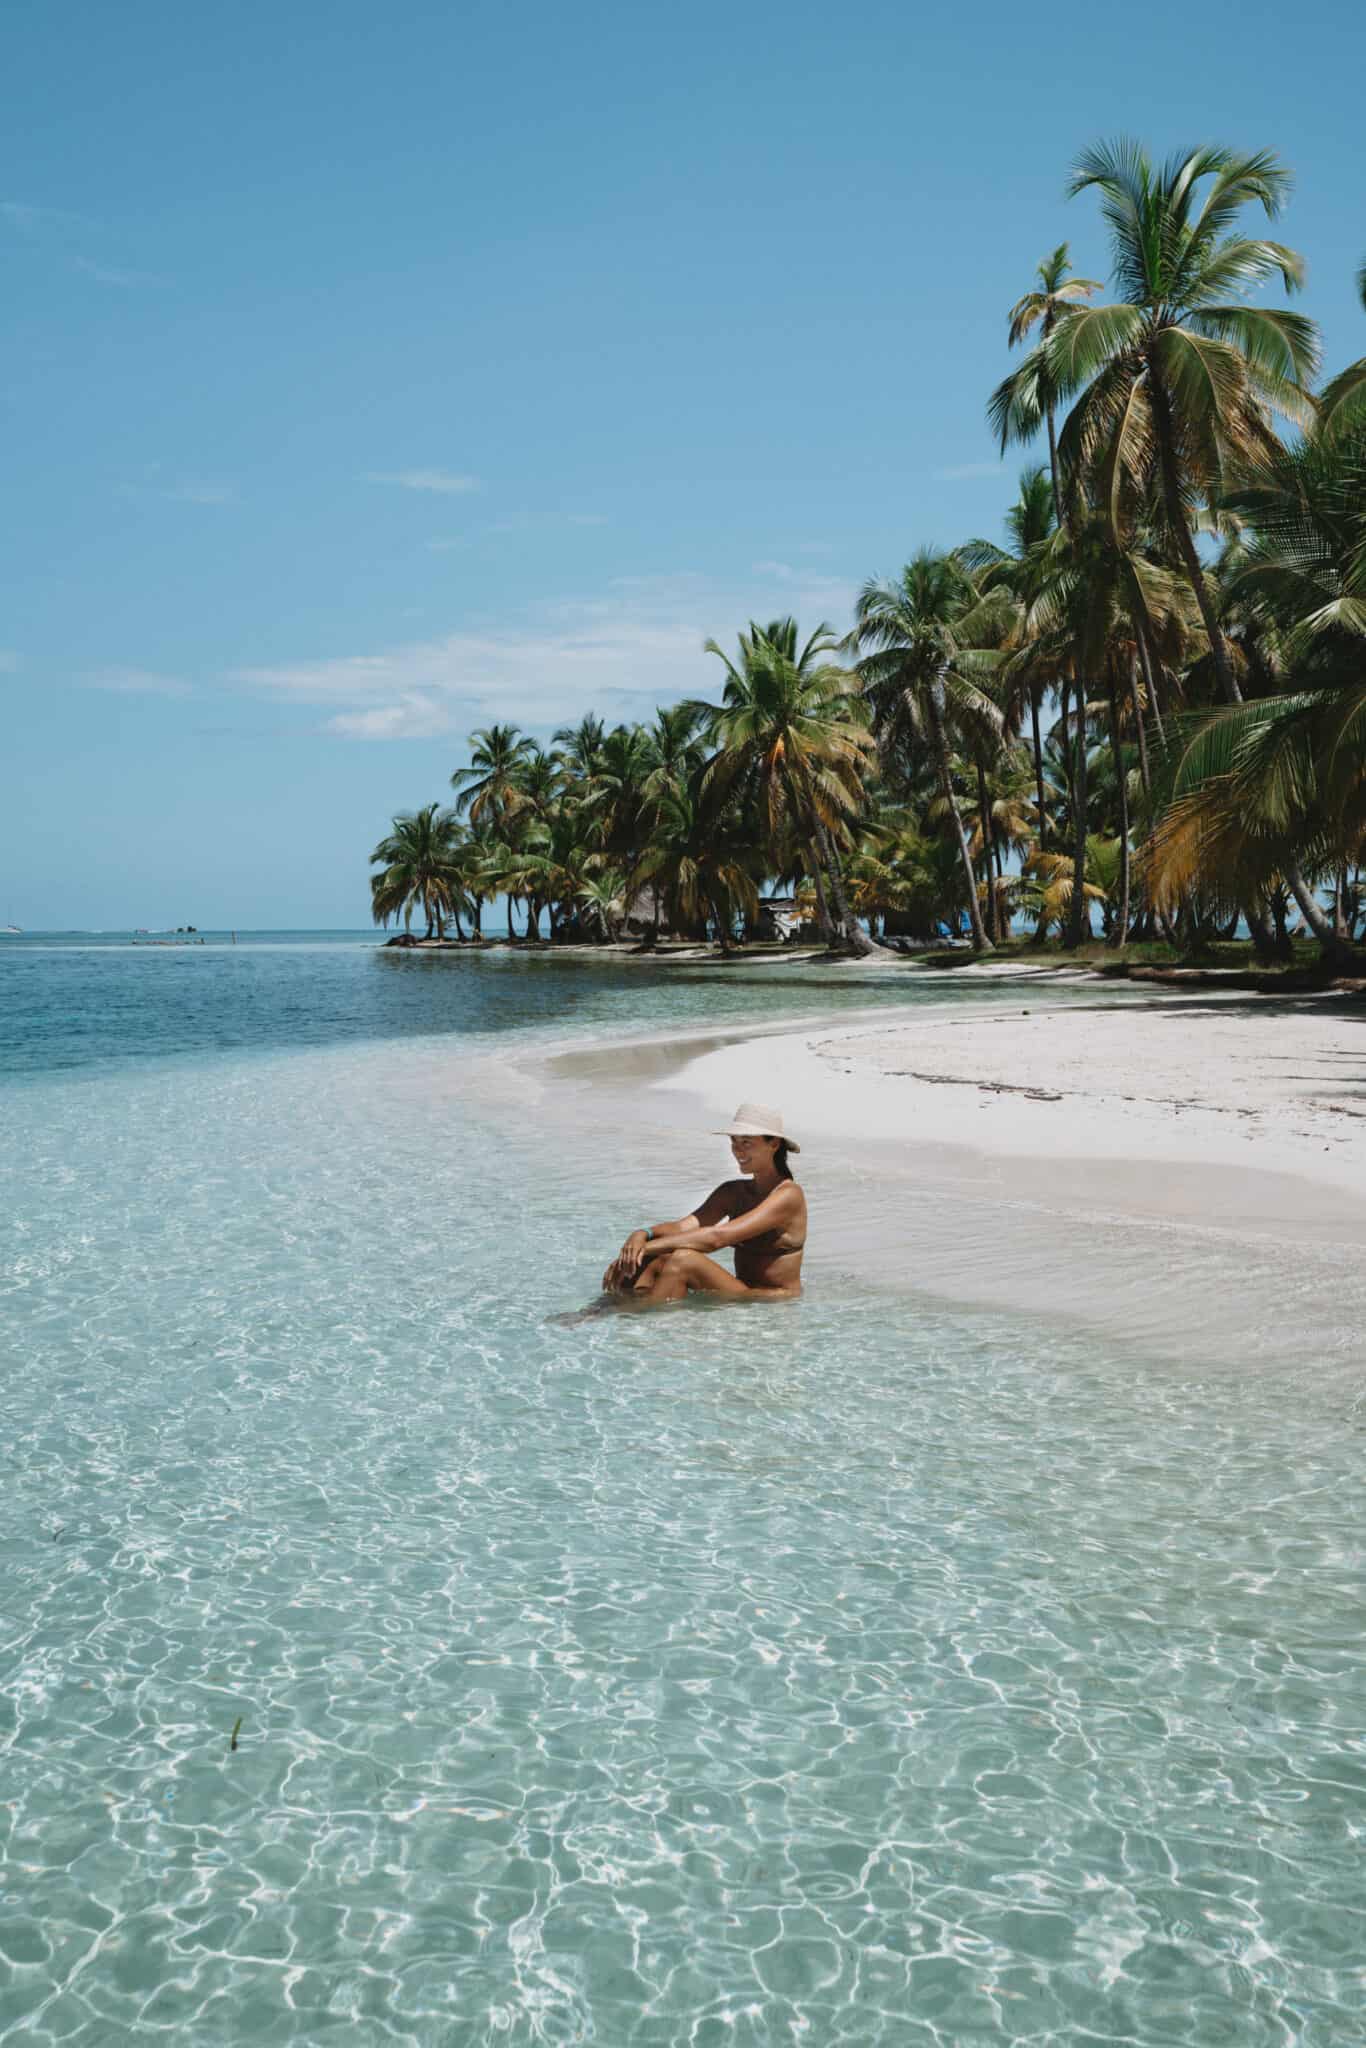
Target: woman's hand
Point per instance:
(632, 1252)
(621, 1274)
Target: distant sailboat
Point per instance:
(11, 931)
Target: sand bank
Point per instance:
(1192, 1170)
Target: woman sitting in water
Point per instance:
(762, 1216)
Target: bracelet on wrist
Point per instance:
(649, 1233)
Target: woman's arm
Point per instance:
(772, 1213)
(627, 1262)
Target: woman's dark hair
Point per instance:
(784, 1171)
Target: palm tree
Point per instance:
(1048, 885)
(1090, 590)
(499, 754)
(616, 794)
(924, 663)
(1343, 403)
(789, 728)
(1278, 785)
(581, 745)
(1027, 396)
(1030, 523)
(697, 859)
(480, 855)
(675, 746)
(420, 868)
(1176, 382)
(603, 904)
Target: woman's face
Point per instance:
(749, 1153)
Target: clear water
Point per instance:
(850, 1672)
(71, 1001)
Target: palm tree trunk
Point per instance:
(1160, 917)
(1059, 508)
(1038, 768)
(1121, 932)
(1176, 515)
(1335, 953)
(1279, 901)
(983, 815)
(1078, 915)
(856, 939)
(939, 740)
(805, 811)
(1149, 668)
(1141, 734)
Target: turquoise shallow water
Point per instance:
(855, 1671)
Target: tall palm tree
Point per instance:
(1278, 785)
(420, 868)
(676, 747)
(698, 861)
(499, 755)
(616, 794)
(1030, 523)
(790, 728)
(580, 745)
(926, 652)
(1028, 395)
(602, 903)
(1175, 384)
(1343, 403)
(1090, 590)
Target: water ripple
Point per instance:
(891, 1676)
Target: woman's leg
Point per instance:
(687, 1272)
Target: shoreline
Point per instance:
(1192, 1176)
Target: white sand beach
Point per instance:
(1169, 1091)
(1192, 1168)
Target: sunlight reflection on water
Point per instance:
(869, 1671)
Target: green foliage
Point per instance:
(1195, 729)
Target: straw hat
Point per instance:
(757, 1120)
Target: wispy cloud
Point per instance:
(182, 491)
(639, 645)
(33, 221)
(66, 230)
(199, 494)
(443, 481)
(412, 717)
(106, 273)
(959, 472)
(137, 682)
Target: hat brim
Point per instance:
(754, 1131)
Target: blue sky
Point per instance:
(369, 375)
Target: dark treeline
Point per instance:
(1145, 703)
